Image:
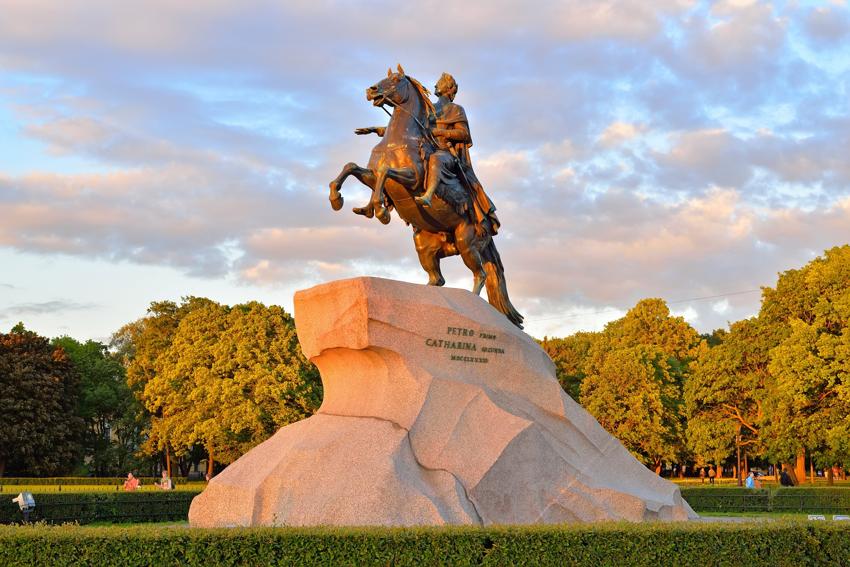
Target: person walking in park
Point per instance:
(132, 483)
(702, 475)
(711, 474)
(751, 480)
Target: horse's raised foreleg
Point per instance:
(335, 185)
(404, 175)
(470, 245)
(364, 175)
(429, 247)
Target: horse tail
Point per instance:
(497, 289)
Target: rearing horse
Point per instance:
(396, 175)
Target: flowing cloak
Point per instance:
(483, 210)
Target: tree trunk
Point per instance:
(210, 465)
(682, 471)
(168, 461)
(800, 468)
(829, 476)
(812, 470)
(658, 467)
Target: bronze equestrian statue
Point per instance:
(421, 168)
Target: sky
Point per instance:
(152, 150)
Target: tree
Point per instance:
(635, 398)
(810, 402)
(569, 356)
(654, 350)
(227, 380)
(39, 433)
(141, 346)
(105, 405)
(725, 392)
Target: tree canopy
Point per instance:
(39, 433)
(220, 377)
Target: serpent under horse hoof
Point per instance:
(458, 218)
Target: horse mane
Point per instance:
(424, 94)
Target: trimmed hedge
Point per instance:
(796, 499)
(72, 480)
(87, 507)
(727, 499)
(757, 543)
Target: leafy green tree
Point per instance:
(105, 405)
(569, 355)
(635, 398)
(141, 347)
(229, 378)
(810, 404)
(650, 346)
(39, 433)
(724, 394)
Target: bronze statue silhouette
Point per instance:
(450, 214)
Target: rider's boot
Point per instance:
(425, 199)
(368, 211)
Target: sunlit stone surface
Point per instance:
(437, 410)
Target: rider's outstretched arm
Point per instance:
(379, 130)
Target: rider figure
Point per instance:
(451, 162)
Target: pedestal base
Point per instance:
(436, 411)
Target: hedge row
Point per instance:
(758, 543)
(81, 480)
(88, 507)
(823, 500)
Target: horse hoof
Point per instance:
(384, 216)
(336, 202)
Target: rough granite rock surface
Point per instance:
(436, 411)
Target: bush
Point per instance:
(822, 500)
(774, 543)
(87, 507)
(73, 480)
(727, 499)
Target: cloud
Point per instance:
(618, 132)
(632, 149)
(827, 25)
(45, 307)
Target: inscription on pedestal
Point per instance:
(470, 340)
